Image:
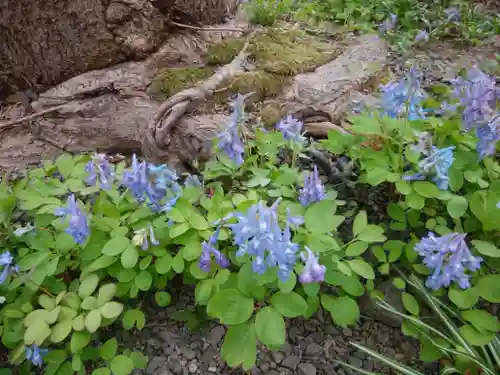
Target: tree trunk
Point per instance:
(45, 42)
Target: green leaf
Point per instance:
(404, 187)
(396, 212)
(399, 283)
(61, 330)
(101, 371)
(222, 276)
(395, 249)
(36, 333)
(457, 206)
(176, 215)
(356, 248)
(65, 165)
(415, 201)
(116, 246)
(230, 307)
(482, 320)
(489, 288)
(178, 263)
(345, 311)
(372, 233)
(410, 303)
(139, 359)
(48, 303)
(121, 365)
(107, 351)
(106, 294)
(88, 285)
(133, 317)
(289, 305)
(163, 264)
(79, 340)
(486, 248)
(144, 280)
(360, 223)
(464, 299)
(178, 229)
(240, 346)
(111, 310)
(319, 217)
(79, 323)
(198, 222)
(204, 291)
(362, 268)
(130, 257)
(100, 263)
(93, 321)
(162, 298)
(289, 285)
(270, 327)
(426, 189)
(474, 337)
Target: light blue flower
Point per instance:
(78, 226)
(35, 355)
(7, 265)
(436, 165)
(488, 136)
(422, 36)
(229, 140)
(453, 14)
(388, 24)
(448, 257)
(209, 249)
(313, 271)
(291, 128)
(193, 181)
(99, 167)
(313, 190)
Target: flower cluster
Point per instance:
(488, 135)
(100, 168)
(291, 128)
(155, 184)
(388, 24)
(78, 226)
(35, 355)
(448, 256)
(313, 190)
(7, 263)
(229, 139)
(435, 165)
(313, 271)
(209, 249)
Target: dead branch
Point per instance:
(198, 28)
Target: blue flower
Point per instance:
(78, 226)
(35, 355)
(388, 24)
(436, 165)
(453, 14)
(21, 231)
(207, 249)
(422, 36)
(403, 97)
(448, 256)
(193, 181)
(488, 135)
(313, 271)
(313, 190)
(141, 238)
(229, 139)
(7, 262)
(100, 167)
(154, 184)
(291, 128)
(477, 94)
(257, 233)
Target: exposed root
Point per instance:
(157, 137)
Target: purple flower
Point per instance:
(7, 262)
(313, 271)
(257, 233)
(477, 94)
(100, 167)
(208, 248)
(141, 238)
(436, 165)
(488, 135)
(448, 256)
(291, 129)
(313, 190)
(35, 355)
(193, 181)
(453, 14)
(388, 24)
(154, 184)
(78, 226)
(422, 36)
(229, 139)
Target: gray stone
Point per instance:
(277, 356)
(392, 296)
(313, 349)
(291, 362)
(368, 365)
(188, 353)
(307, 369)
(154, 364)
(193, 368)
(216, 334)
(175, 367)
(356, 362)
(212, 369)
(347, 332)
(286, 348)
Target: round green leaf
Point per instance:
(270, 327)
(230, 307)
(486, 248)
(360, 223)
(240, 346)
(79, 340)
(415, 201)
(289, 285)
(101, 371)
(36, 333)
(482, 320)
(204, 290)
(79, 323)
(372, 233)
(474, 337)
(121, 365)
(111, 310)
(133, 318)
(410, 303)
(163, 264)
(108, 350)
(345, 311)
(48, 303)
(464, 299)
(356, 248)
(319, 217)
(116, 246)
(162, 298)
(489, 288)
(144, 280)
(139, 359)
(289, 305)
(198, 222)
(362, 268)
(93, 321)
(426, 189)
(61, 330)
(106, 294)
(130, 257)
(178, 229)
(457, 206)
(404, 187)
(88, 285)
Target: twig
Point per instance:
(184, 26)
(8, 124)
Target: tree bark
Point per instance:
(45, 42)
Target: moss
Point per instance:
(262, 84)
(270, 115)
(289, 52)
(171, 81)
(223, 52)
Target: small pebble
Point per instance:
(193, 368)
(307, 369)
